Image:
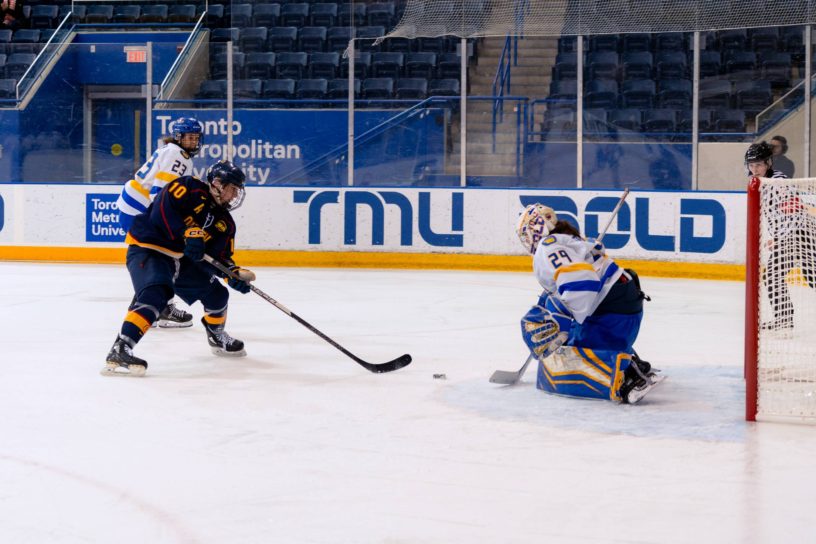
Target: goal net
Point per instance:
(481, 18)
(780, 343)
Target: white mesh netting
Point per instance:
(480, 18)
(786, 362)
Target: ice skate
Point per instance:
(174, 318)
(640, 379)
(221, 343)
(122, 362)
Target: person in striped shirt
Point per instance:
(590, 306)
(790, 226)
(171, 161)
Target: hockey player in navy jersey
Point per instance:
(170, 161)
(585, 323)
(188, 219)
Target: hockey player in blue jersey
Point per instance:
(585, 323)
(188, 219)
(172, 160)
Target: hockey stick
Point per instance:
(510, 377)
(379, 368)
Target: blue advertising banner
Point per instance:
(102, 218)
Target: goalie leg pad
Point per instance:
(585, 373)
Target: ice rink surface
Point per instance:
(298, 444)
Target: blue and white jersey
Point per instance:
(565, 267)
(165, 165)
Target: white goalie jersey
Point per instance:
(166, 164)
(564, 265)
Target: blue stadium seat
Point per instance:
(212, 89)
(291, 65)
(625, 119)
(599, 43)
(387, 65)
(729, 121)
(601, 93)
(247, 88)
(741, 65)
(345, 14)
(564, 93)
(659, 120)
(44, 16)
(338, 37)
(558, 121)
(253, 39)
(595, 117)
(376, 88)
(674, 93)
(792, 41)
(366, 35)
(380, 14)
(127, 14)
(282, 38)
(422, 64)
(223, 35)
(339, 89)
(671, 65)
(324, 65)
(602, 65)
(77, 12)
(637, 65)
(566, 66)
(260, 65)
(311, 88)
(8, 88)
(776, 68)
(638, 93)
(362, 65)
(399, 45)
(239, 15)
(567, 44)
(764, 40)
(266, 15)
(5, 40)
(99, 13)
(46, 33)
(732, 40)
(409, 88)
(715, 94)
(295, 14)
(705, 116)
(215, 15)
(26, 35)
(218, 66)
(636, 42)
(434, 44)
(710, 64)
(752, 96)
(670, 41)
(449, 66)
(279, 89)
(323, 14)
(444, 87)
(153, 13)
(312, 39)
(183, 13)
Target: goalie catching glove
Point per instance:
(241, 280)
(541, 332)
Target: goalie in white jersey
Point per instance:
(172, 160)
(585, 323)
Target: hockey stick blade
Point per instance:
(377, 368)
(509, 377)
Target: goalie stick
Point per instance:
(379, 368)
(512, 377)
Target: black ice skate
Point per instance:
(122, 362)
(222, 343)
(174, 318)
(640, 378)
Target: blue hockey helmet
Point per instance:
(227, 174)
(188, 125)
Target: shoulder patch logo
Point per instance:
(221, 226)
(548, 240)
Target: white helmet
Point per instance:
(535, 222)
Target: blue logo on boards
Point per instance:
(376, 201)
(102, 218)
(700, 211)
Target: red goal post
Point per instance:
(780, 300)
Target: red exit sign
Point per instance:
(136, 54)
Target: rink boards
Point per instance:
(699, 234)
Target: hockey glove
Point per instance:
(559, 313)
(541, 333)
(194, 243)
(597, 251)
(241, 282)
